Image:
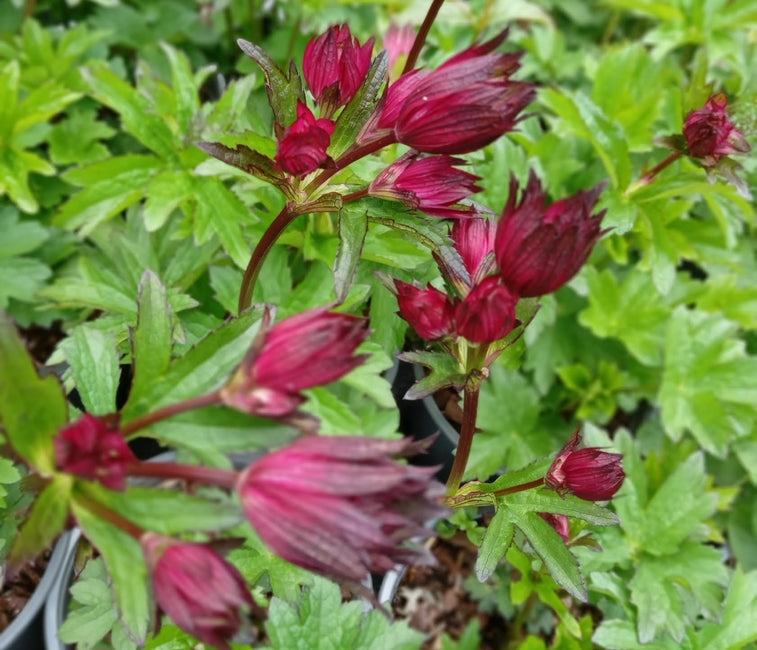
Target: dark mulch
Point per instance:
(18, 587)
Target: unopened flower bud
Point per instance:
(302, 148)
(589, 473)
(710, 134)
(201, 592)
(90, 449)
(428, 311)
(487, 313)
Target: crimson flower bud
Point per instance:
(310, 349)
(201, 592)
(429, 311)
(589, 473)
(487, 313)
(335, 66)
(710, 134)
(432, 184)
(465, 104)
(341, 506)
(90, 449)
(540, 248)
(474, 240)
(559, 522)
(302, 148)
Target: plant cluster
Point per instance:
(352, 180)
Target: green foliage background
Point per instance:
(653, 344)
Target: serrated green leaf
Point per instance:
(45, 522)
(15, 167)
(284, 90)
(248, 160)
(353, 226)
(151, 341)
(360, 108)
(19, 237)
(165, 192)
(32, 410)
(8, 471)
(497, 539)
(126, 567)
(184, 86)
(738, 627)
(444, 371)
(21, 278)
(571, 506)
(94, 618)
(93, 359)
(550, 547)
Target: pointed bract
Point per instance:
(710, 134)
(302, 148)
(474, 240)
(432, 184)
(90, 449)
(589, 473)
(201, 592)
(540, 248)
(341, 506)
(335, 66)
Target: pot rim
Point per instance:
(41, 594)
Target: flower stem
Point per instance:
(106, 514)
(467, 430)
(420, 37)
(222, 478)
(647, 178)
(355, 195)
(210, 399)
(271, 234)
(519, 488)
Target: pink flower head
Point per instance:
(428, 311)
(560, 523)
(340, 506)
(589, 473)
(90, 449)
(540, 248)
(710, 134)
(487, 313)
(432, 184)
(474, 240)
(302, 148)
(398, 41)
(201, 592)
(335, 66)
(310, 349)
(465, 104)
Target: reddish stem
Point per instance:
(420, 37)
(647, 178)
(211, 399)
(222, 478)
(467, 430)
(519, 488)
(106, 514)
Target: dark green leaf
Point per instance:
(353, 226)
(497, 539)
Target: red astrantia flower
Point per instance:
(429, 311)
(335, 65)
(201, 592)
(710, 134)
(589, 473)
(310, 349)
(433, 184)
(341, 506)
(487, 313)
(474, 240)
(465, 104)
(90, 449)
(302, 148)
(540, 248)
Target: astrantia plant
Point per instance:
(440, 188)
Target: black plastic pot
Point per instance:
(26, 631)
(422, 419)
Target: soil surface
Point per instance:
(434, 600)
(18, 588)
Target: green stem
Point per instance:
(467, 430)
(210, 399)
(272, 233)
(106, 514)
(420, 37)
(222, 478)
(519, 488)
